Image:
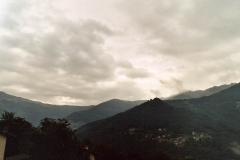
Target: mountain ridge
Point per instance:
(165, 127)
(101, 111)
(200, 93)
(34, 111)
(201, 128)
(222, 106)
(152, 114)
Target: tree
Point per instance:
(55, 140)
(16, 130)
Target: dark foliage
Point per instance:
(16, 130)
(216, 116)
(34, 111)
(103, 110)
(114, 133)
(54, 140)
(51, 140)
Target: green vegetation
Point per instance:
(204, 128)
(54, 140)
(156, 129)
(17, 131)
(201, 93)
(101, 111)
(51, 140)
(35, 111)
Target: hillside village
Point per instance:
(153, 129)
(163, 135)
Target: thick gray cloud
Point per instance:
(54, 59)
(200, 36)
(184, 28)
(135, 73)
(84, 52)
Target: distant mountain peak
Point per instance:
(201, 93)
(103, 110)
(156, 101)
(230, 94)
(34, 111)
(156, 105)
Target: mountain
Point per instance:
(217, 116)
(232, 94)
(34, 111)
(200, 93)
(152, 114)
(155, 129)
(101, 111)
(223, 106)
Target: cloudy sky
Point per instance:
(85, 52)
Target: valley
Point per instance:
(198, 128)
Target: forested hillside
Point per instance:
(101, 111)
(200, 128)
(200, 93)
(51, 140)
(222, 106)
(34, 111)
(155, 129)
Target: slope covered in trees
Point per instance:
(35, 111)
(223, 106)
(201, 128)
(101, 111)
(51, 140)
(200, 93)
(155, 128)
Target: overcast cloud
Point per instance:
(85, 52)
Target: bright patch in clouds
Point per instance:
(84, 52)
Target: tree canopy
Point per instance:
(53, 139)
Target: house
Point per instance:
(2, 146)
(19, 157)
(196, 138)
(91, 154)
(131, 129)
(92, 157)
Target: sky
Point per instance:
(84, 52)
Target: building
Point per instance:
(2, 146)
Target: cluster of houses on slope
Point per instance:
(164, 136)
(3, 141)
(198, 136)
(180, 140)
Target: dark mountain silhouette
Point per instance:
(200, 93)
(231, 94)
(102, 110)
(223, 106)
(137, 131)
(151, 115)
(154, 129)
(34, 111)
